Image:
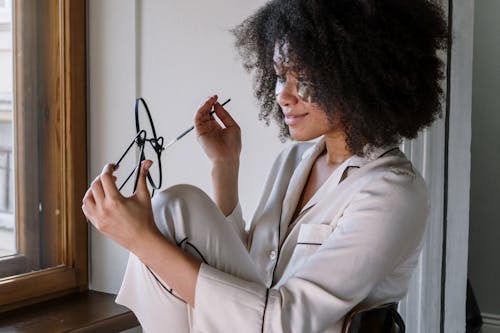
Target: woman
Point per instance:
(340, 221)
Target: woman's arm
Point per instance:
(222, 145)
(225, 185)
(130, 223)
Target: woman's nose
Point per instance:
(286, 93)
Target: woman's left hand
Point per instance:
(125, 220)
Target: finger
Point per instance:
(88, 196)
(97, 190)
(142, 184)
(224, 116)
(203, 113)
(108, 183)
(86, 212)
(89, 203)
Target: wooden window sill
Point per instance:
(88, 311)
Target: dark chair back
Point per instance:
(380, 319)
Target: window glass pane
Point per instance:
(7, 220)
(32, 232)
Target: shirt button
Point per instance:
(272, 255)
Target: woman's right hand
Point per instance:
(221, 144)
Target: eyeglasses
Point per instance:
(150, 146)
(305, 90)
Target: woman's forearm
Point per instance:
(174, 266)
(225, 185)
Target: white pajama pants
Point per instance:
(187, 216)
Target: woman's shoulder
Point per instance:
(387, 170)
(394, 162)
(396, 176)
(385, 159)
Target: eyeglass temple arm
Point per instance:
(134, 140)
(140, 135)
(138, 167)
(126, 180)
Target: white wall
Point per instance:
(174, 54)
(484, 267)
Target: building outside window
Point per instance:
(7, 205)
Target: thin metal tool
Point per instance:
(180, 136)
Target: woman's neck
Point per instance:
(336, 149)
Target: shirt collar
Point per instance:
(370, 153)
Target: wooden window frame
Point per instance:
(65, 101)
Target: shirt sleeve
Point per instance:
(381, 228)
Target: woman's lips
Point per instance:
(291, 120)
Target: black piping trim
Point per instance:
(170, 291)
(304, 243)
(387, 152)
(278, 248)
(194, 247)
(182, 241)
(265, 308)
(197, 251)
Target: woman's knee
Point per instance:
(182, 193)
(174, 207)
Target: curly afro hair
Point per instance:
(375, 62)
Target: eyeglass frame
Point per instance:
(140, 139)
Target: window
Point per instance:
(43, 234)
(7, 239)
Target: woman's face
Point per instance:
(304, 118)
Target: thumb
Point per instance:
(142, 184)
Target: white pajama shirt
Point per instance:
(354, 244)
